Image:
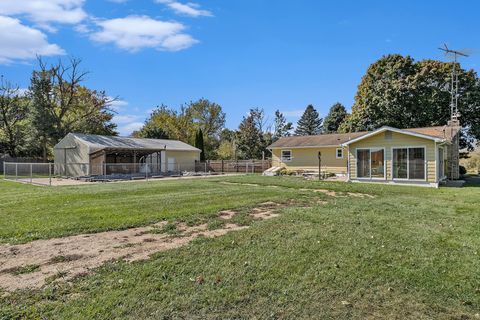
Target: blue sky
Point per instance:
(274, 54)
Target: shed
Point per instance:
(87, 154)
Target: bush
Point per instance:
(462, 170)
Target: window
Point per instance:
(409, 163)
(286, 155)
(339, 153)
(371, 163)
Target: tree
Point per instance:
(184, 124)
(60, 104)
(199, 144)
(251, 142)
(310, 123)
(399, 92)
(334, 118)
(13, 119)
(282, 128)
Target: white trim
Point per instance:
(425, 162)
(386, 128)
(370, 164)
(336, 153)
(401, 183)
(282, 159)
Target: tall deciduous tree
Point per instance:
(13, 119)
(310, 123)
(60, 104)
(251, 140)
(282, 128)
(184, 124)
(334, 118)
(399, 92)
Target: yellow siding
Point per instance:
(184, 160)
(397, 140)
(307, 159)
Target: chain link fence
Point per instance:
(55, 174)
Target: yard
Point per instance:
(335, 250)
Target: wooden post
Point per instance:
(16, 171)
(319, 165)
(31, 172)
(223, 167)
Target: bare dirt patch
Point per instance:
(329, 193)
(63, 259)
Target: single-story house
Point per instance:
(87, 154)
(422, 156)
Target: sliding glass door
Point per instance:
(371, 163)
(408, 163)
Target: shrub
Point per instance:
(462, 170)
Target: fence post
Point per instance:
(253, 165)
(146, 170)
(223, 171)
(16, 171)
(205, 166)
(50, 174)
(4, 170)
(31, 173)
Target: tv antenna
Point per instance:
(454, 86)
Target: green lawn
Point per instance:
(408, 253)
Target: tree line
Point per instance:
(395, 91)
(56, 102)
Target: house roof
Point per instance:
(98, 142)
(338, 139)
(430, 133)
(322, 140)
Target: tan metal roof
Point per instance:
(97, 142)
(336, 139)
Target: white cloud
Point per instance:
(44, 12)
(128, 129)
(20, 42)
(127, 123)
(293, 113)
(117, 105)
(133, 33)
(189, 9)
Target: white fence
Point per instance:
(44, 173)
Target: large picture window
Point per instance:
(371, 163)
(409, 163)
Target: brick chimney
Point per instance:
(452, 133)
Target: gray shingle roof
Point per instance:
(322, 140)
(98, 142)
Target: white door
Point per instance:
(171, 164)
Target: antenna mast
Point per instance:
(454, 86)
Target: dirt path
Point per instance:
(33, 264)
(330, 193)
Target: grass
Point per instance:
(24, 269)
(409, 253)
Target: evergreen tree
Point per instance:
(282, 128)
(199, 143)
(335, 117)
(310, 123)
